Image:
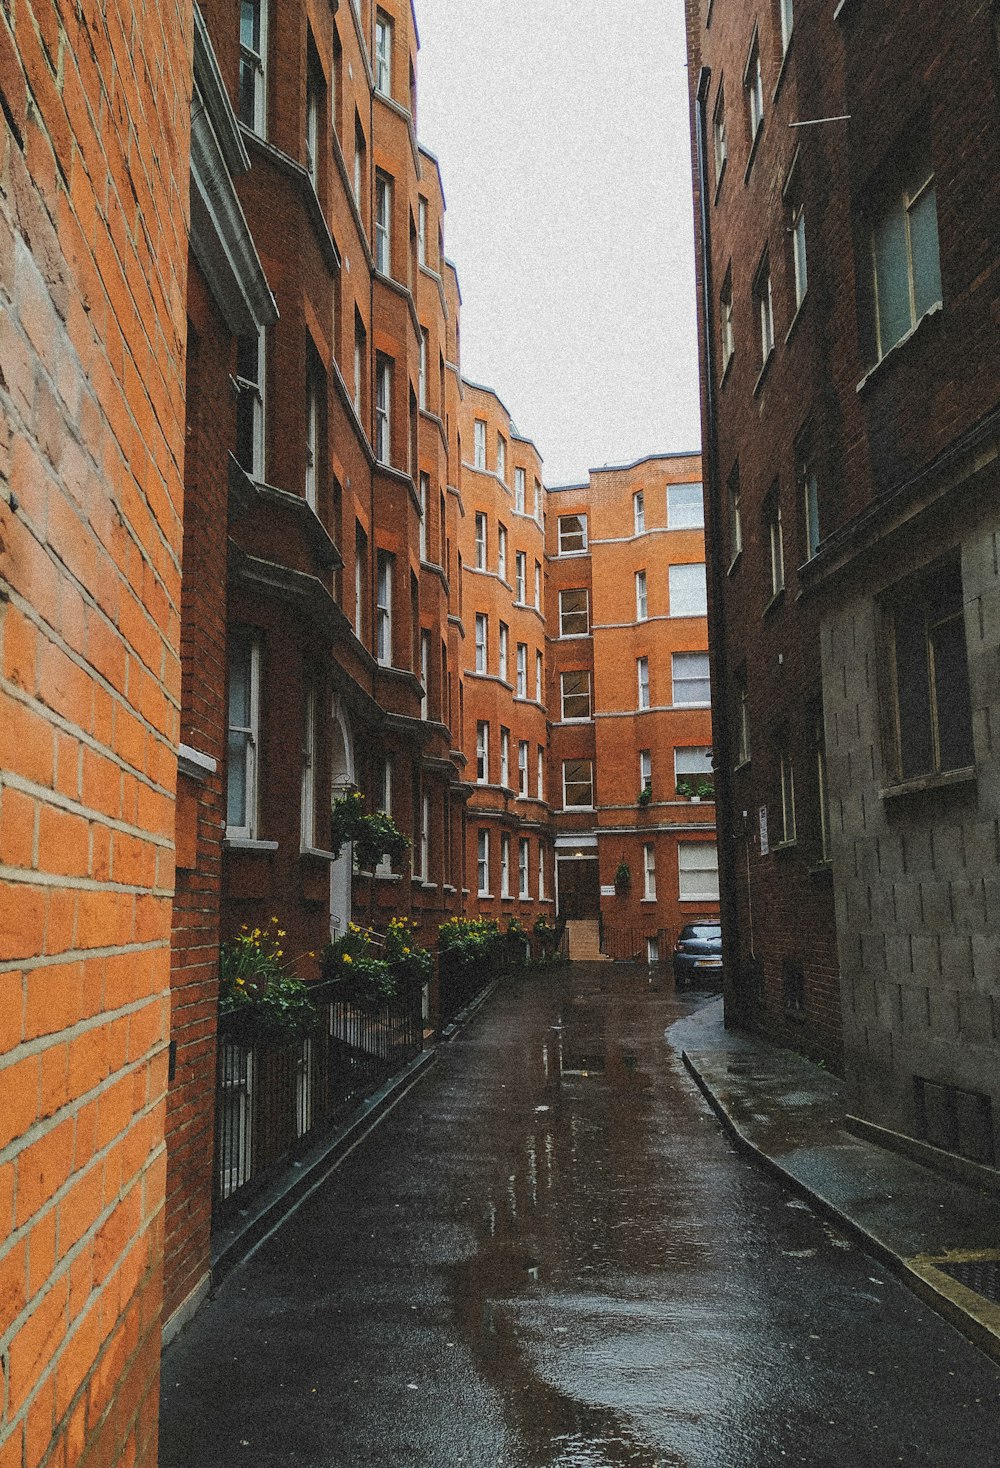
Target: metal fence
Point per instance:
(632, 944)
(273, 1101)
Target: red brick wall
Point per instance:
(93, 257)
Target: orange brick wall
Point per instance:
(93, 204)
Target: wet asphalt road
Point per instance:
(548, 1256)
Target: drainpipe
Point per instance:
(735, 987)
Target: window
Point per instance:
(574, 614)
(776, 541)
(726, 320)
(360, 353)
(931, 715)
(425, 490)
(575, 690)
(800, 268)
(425, 672)
(384, 610)
(504, 645)
(685, 507)
(538, 501)
(307, 822)
(639, 512)
(523, 877)
(313, 98)
(688, 591)
(250, 404)
(479, 443)
(691, 679)
(244, 733)
(502, 553)
(906, 262)
(735, 518)
(764, 308)
(482, 753)
(572, 534)
(253, 65)
(693, 763)
(649, 872)
(502, 458)
(384, 867)
(719, 140)
(519, 491)
(538, 586)
(541, 773)
(698, 871)
(422, 379)
(522, 670)
(520, 576)
(383, 223)
(383, 54)
(642, 670)
(742, 723)
(482, 633)
(312, 439)
(422, 231)
(578, 784)
(522, 766)
(359, 164)
(360, 580)
(753, 85)
(652, 950)
(822, 787)
(383, 402)
(787, 24)
(541, 872)
(810, 508)
(504, 865)
(425, 837)
(483, 863)
(505, 757)
(480, 540)
(538, 677)
(646, 770)
(787, 798)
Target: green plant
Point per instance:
(705, 789)
(686, 788)
(409, 961)
(467, 941)
(645, 795)
(623, 877)
(261, 1002)
(374, 835)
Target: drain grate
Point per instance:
(981, 1275)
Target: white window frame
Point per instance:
(810, 508)
(253, 58)
(255, 389)
(765, 309)
(799, 257)
(682, 512)
(312, 127)
(521, 686)
(359, 368)
(776, 542)
(538, 502)
(482, 642)
(383, 409)
(502, 552)
(735, 520)
(688, 590)
(541, 773)
(425, 836)
(425, 672)
(482, 752)
(568, 537)
(641, 597)
(422, 370)
(645, 769)
(753, 84)
(568, 591)
(649, 872)
(422, 231)
(541, 872)
(383, 53)
(505, 758)
(538, 586)
(686, 754)
(642, 680)
(523, 868)
(904, 202)
(726, 322)
(504, 864)
(360, 151)
(383, 223)
(519, 491)
(483, 863)
(720, 140)
(523, 747)
(504, 651)
(639, 512)
(312, 441)
(578, 805)
(568, 718)
(787, 24)
(479, 443)
(501, 458)
(675, 680)
(307, 809)
(520, 577)
(250, 733)
(383, 610)
(539, 678)
(425, 494)
(482, 537)
(704, 892)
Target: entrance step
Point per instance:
(583, 938)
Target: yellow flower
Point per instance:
(406, 952)
(312, 955)
(348, 958)
(281, 932)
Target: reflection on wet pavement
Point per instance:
(548, 1256)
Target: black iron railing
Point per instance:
(632, 944)
(274, 1101)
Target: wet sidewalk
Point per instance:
(940, 1235)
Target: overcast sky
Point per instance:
(562, 130)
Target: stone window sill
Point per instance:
(890, 356)
(251, 845)
(943, 781)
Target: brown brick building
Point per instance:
(630, 759)
(848, 272)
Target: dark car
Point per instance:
(698, 956)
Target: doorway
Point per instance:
(579, 887)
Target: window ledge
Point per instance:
(488, 895)
(727, 369)
(721, 179)
(249, 843)
(316, 853)
(700, 898)
(743, 764)
(194, 764)
(783, 68)
(650, 901)
(762, 374)
(822, 871)
(797, 317)
(942, 781)
(790, 845)
(904, 341)
(753, 150)
(734, 563)
(844, 5)
(774, 603)
(449, 889)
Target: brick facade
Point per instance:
(93, 263)
(872, 423)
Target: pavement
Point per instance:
(940, 1235)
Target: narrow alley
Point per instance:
(548, 1256)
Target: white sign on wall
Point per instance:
(608, 891)
(764, 847)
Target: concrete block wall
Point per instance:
(93, 259)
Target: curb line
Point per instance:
(980, 1324)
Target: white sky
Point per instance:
(562, 131)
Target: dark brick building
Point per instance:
(846, 204)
